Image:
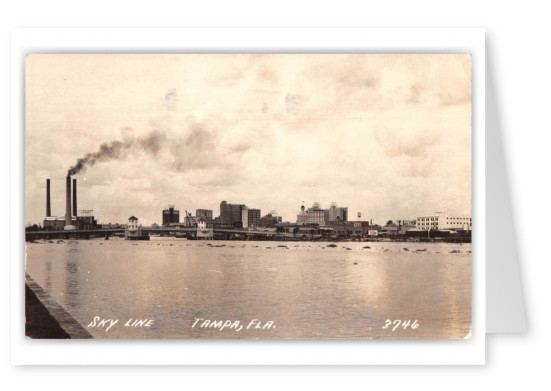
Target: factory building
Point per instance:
(73, 219)
(171, 216)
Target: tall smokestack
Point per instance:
(68, 204)
(48, 209)
(74, 197)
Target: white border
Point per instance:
(241, 352)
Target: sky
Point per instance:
(387, 135)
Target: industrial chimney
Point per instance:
(68, 215)
(74, 197)
(48, 209)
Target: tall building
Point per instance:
(338, 213)
(237, 215)
(245, 217)
(254, 218)
(225, 214)
(170, 216)
(302, 217)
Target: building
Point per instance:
(204, 232)
(445, 221)
(302, 217)
(269, 221)
(336, 213)
(406, 225)
(55, 223)
(389, 229)
(236, 211)
(171, 216)
(313, 215)
(253, 218)
(85, 220)
(238, 216)
(205, 214)
(231, 215)
(245, 217)
(133, 230)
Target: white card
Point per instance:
(419, 351)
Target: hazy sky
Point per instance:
(386, 135)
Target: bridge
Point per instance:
(188, 232)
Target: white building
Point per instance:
(245, 217)
(203, 231)
(313, 215)
(445, 221)
(133, 230)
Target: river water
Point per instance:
(306, 289)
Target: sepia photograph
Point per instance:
(248, 196)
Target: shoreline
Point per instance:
(46, 319)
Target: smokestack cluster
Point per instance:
(68, 212)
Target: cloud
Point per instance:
(377, 133)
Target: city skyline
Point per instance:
(385, 135)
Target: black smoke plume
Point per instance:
(117, 150)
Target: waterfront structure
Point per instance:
(204, 232)
(171, 216)
(133, 230)
(445, 221)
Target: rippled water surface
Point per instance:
(308, 290)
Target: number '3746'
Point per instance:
(395, 324)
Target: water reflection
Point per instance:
(308, 289)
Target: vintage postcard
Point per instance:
(248, 196)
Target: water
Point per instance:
(307, 289)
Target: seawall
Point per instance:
(46, 319)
